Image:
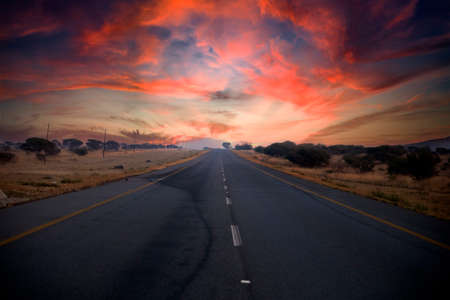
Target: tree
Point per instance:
(420, 164)
(259, 149)
(37, 145)
(226, 145)
(72, 143)
(309, 156)
(364, 163)
(112, 145)
(245, 146)
(93, 144)
(280, 149)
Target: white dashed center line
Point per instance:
(245, 281)
(228, 200)
(237, 241)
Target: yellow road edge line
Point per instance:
(380, 220)
(83, 210)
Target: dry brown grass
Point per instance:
(28, 179)
(430, 196)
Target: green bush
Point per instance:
(6, 157)
(363, 163)
(309, 156)
(80, 151)
(420, 164)
(280, 149)
(259, 149)
(36, 144)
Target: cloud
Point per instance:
(132, 121)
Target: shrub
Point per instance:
(112, 145)
(80, 151)
(36, 144)
(245, 146)
(280, 149)
(6, 157)
(385, 153)
(309, 156)
(345, 149)
(94, 144)
(363, 163)
(259, 149)
(420, 164)
(72, 143)
(442, 151)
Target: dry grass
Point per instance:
(430, 196)
(29, 179)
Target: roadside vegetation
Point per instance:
(413, 178)
(39, 168)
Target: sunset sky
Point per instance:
(349, 72)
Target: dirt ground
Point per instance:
(430, 196)
(27, 178)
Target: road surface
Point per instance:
(220, 227)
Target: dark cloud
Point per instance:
(132, 121)
(228, 94)
(154, 137)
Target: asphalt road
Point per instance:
(220, 227)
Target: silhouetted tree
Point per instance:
(72, 143)
(93, 144)
(309, 156)
(259, 149)
(226, 145)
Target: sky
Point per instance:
(258, 71)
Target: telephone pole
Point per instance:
(48, 129)
(104, 144)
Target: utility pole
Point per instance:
(48, 129)
(104, 144)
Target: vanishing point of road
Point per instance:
(220, 227)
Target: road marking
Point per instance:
(83, 210)
(228, 200)
(380, 220)
(225, 187)
(237, 241)
(245, 281)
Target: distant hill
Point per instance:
(433, 144)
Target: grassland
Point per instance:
(430, 196)
(27, 178)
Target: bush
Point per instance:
(36, 144)
(345, 149)
(6, 157)
(442, 151)
(72, 143)
(363, 163)
(385, 153)
(94, 144)
(112, 145)
(309, 156)
(280, 149)
(245, 146)
(420, 164)
(259, 149)
(80, 151)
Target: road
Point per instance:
(220, 227)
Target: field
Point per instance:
(27, 178)
(430, 196)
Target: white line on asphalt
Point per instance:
(225, 187)
(228, 200)
(237, 241)
(246, 281)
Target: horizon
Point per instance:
(177, 72)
